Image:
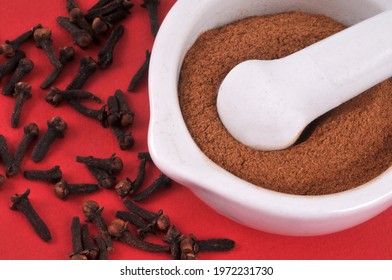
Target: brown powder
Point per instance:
(343, 149)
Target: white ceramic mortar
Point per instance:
(176, 154)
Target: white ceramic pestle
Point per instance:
(267, 104)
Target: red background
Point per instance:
(371, 240)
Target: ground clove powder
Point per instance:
(342, 149)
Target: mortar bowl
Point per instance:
(174, 151)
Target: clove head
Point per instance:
(125, 138)
(116, 164)
(83, 40)
(75, 15)
(19, 199)
(91, 208)
(99, 26)
(189, 247)
(117, 228)
(124, 188)
(25, 65)
(61, 189)
(67, 53)
(7, 49)
(163, 222)
(31, 130)
(58, 125)
(127, 118)
(22, 89)
(41, 35)
(54, 96)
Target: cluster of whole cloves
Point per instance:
(83, 246)
(87, 27)
(105, 170)
(83, 28)
(180, 246)
(17, 66)
(12, 162)
(115, 113)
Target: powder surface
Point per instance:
(342, 149)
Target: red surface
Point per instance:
(371, 240)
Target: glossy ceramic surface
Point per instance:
(175, 153)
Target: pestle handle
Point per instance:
(349, 62)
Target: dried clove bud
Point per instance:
(21, 94)
(62, 189)
(112, 165)
(43, 40)
(125, 113)
(52, 175)
(56, 128)
(56, 96)
(30, 134)
(92, 211)
(22, 203)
